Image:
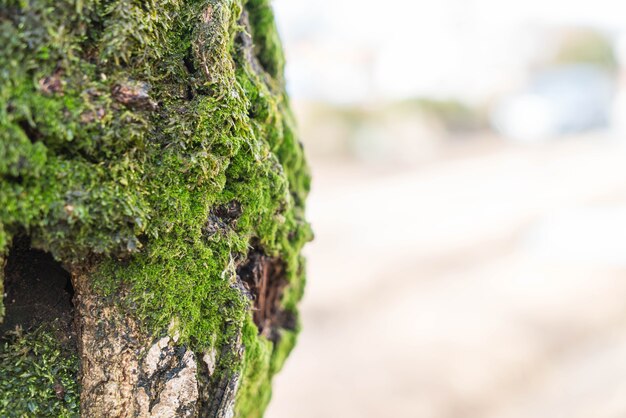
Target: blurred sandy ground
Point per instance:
(486, 282)
(456, 273)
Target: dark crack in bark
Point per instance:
(37, 289)
(265, 279)
(222, 218)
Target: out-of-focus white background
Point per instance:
(469, 205)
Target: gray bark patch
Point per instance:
(125, 373)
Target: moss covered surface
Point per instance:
(39, 376)
(124, 125)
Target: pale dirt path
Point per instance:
(490, 285)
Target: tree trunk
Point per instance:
(151, 208)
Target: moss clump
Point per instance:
(123, 125)
(262, 360)
(38, 376)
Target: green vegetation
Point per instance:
(586, 46)
(38, 376)
(123, 125)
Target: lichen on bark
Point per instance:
(150, 148)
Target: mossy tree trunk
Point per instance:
(151, 208)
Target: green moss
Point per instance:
(267, 42)
(255, 390)
(38, 376)
(262, 360)
(85, 169)
(2, 264)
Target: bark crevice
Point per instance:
(37, 289)
(265, 279)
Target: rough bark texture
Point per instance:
(125, 373)
(151, 208)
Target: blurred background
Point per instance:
(469, 204)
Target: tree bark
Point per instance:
(152, 196)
